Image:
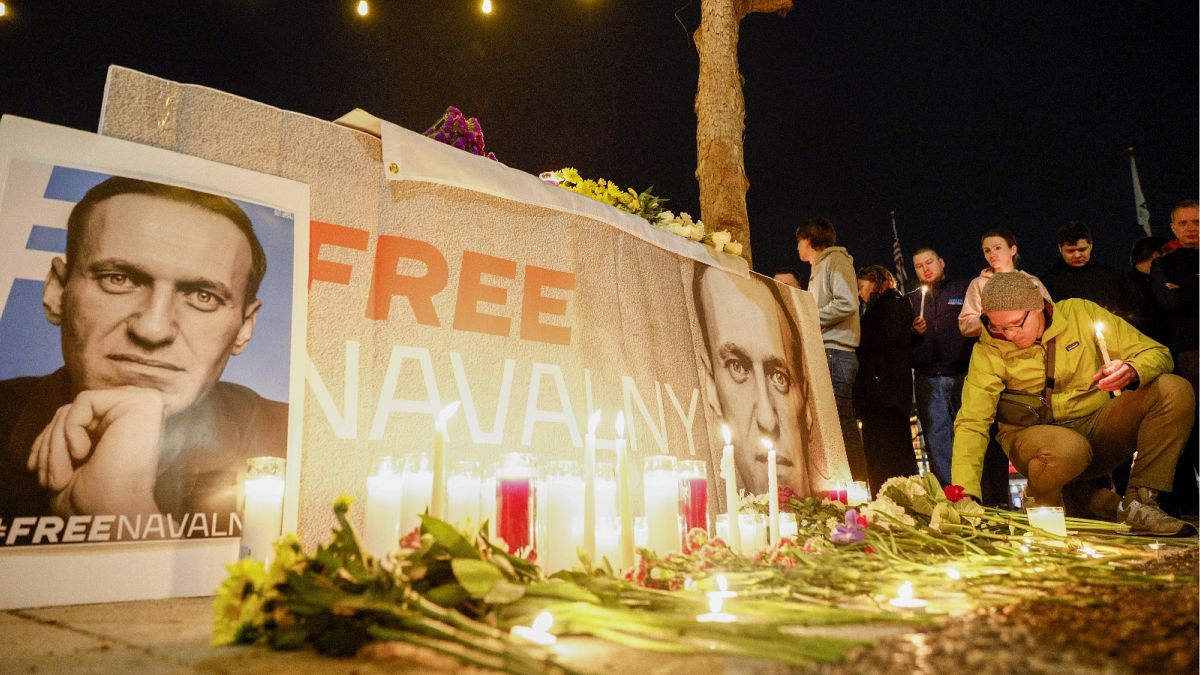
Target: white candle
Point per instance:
(660, 491)
(539, 632)
(788, 527)
(560, 516)
(381, 531)
(417, 491)
(606, 491)
(1103, 344)
(262, 511)
(438, 497)
(624, 498)
(1048, 518)
(729, 473)
(487, 499)
(716, 599)
(608, 538)
(464, 494)
(904, 598)
(924, 290)
(752, 531)
(589, 485)
(772, 492)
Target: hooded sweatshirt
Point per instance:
(835, 288)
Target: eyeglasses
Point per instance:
(1001, 331)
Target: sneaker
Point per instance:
(1145, 518)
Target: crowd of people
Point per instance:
(1083, 379)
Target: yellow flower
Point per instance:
(237, 608)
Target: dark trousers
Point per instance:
(887, 442)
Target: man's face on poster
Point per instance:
(752, 359)
(157, 298)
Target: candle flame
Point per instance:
(448, 412)
(924, 289)
(543, 622)
(593, 422)
(620, 424)
(953, 573)
(722, 583)
(715, 602)
(1099, 327)
(905, 592)
(726, 434)
(766, 443)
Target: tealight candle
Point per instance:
(262, 511)
(716, 600)
(904, 598)
(1048, 518)
(539, 632)
(381, 530)
(857, 493)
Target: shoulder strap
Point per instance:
(1050, 374)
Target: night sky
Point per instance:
(960, 116)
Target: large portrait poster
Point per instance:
(151, 307)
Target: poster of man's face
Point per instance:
(127, 308)
(757, 383)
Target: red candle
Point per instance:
(693, 502)
(514, 512)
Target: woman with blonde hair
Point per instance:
(1000, 251)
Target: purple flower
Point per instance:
(852, 531)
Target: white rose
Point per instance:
(733, 247)
(696, 233)
(719, 239)
(665, 217)
(680, 229)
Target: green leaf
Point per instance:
(504, 592)
(563, 590)
(477, 577)
(451, 539)
(448, 595)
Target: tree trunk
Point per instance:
(721, 116)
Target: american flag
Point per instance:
(898, 259)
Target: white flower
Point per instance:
(695, 232)
(733, 247)
(885, 506)
(665, 217)
(680, 229)
(685, 217)
(719, 239)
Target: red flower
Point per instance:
(869, 550)
(785, 494)
(862, 520)
(955, 493)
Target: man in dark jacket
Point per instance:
(940, 355)
(1142, 310)
(1076, 275)
(1174, 283)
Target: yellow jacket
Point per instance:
(998, 364)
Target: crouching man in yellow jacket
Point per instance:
(1070, 424)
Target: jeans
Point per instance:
(843, 368)
(938, 399)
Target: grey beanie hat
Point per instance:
(1010, 291)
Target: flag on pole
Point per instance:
(1139, 200)
(898, 259)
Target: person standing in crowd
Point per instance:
(883, 386)
(1077, 275)
(787, 275)
(832, 283)
(1140, 308)
(1000, 251)
(1039, 372)
(940, 355)
(1174, 283)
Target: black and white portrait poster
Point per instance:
(152, 323)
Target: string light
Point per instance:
(363, 8)
(486, 7)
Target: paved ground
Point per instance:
(1090, 629)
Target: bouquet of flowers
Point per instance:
(464, 133)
